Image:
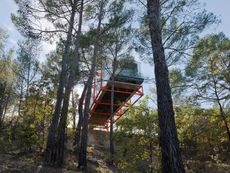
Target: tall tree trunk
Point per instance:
(27, 85)
(70, 85)
(222, 113)
(2, 100)
(84, 136)
(80, 119)
(225, 122)
(171, 157)
(5, 109)
(1, 114)
(20, 98)
(74, 113)
(1, 111)
(111, 144)
(44, 119)
(50, 153)
(151, 155)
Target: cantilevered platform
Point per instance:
(124, 89)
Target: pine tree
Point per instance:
(171, 157)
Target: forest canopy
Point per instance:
(181, 124)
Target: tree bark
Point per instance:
(2, 100)
(225, 122)
(222, 113)
(69, 87)
(74, 112)
(151, 155)
(20, 98)
(84, 137)
(171, 157)
(27, 84)
(111, 144)
(50, 153)
(80, 119)
(5, 109)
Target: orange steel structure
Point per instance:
(124, 93)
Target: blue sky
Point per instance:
(218, 7)
(6, 8)
(221, 9)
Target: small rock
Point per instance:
(93, 160)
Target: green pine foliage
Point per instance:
(199, 75)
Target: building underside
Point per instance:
(127, 91)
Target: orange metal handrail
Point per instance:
(122, 107)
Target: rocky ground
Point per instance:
(32, 163)
(18, 162)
